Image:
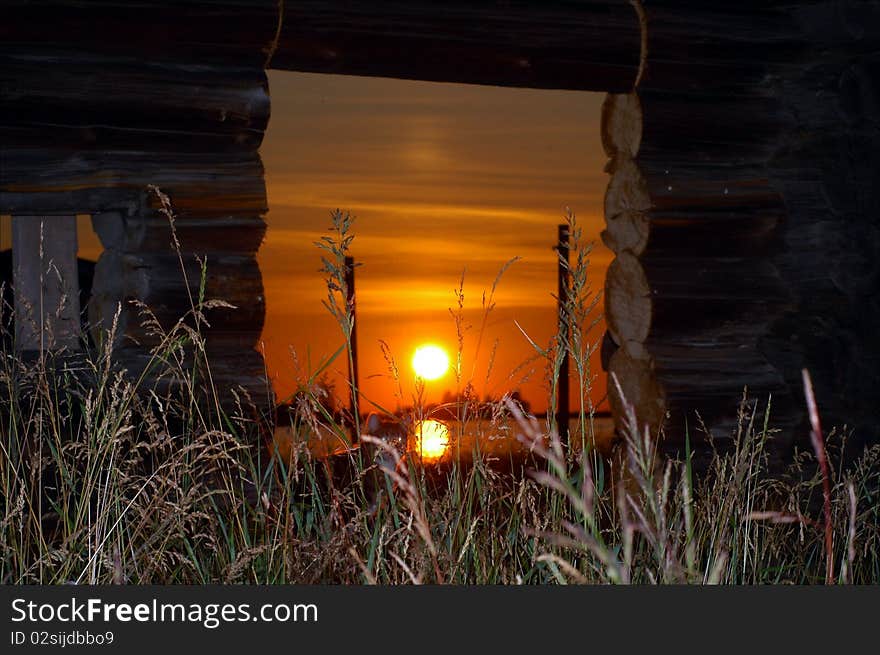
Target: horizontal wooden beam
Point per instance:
(235, 377)
(95, 101)
(203, 185)
(601, 45)
(150, 232)
(237, 32)
(593, 45)
(132, 283)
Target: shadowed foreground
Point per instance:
(104, 482)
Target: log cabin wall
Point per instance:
(742, 210)
(741, 139)
(103, 100)
(827, 168)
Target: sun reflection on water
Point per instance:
(432, 440)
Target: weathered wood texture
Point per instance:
(218, 200)
(46, 283)
(742, 209)
(233, 32)
(157, 286)
(827, 168)
(693, 288)
(148, 293)
(156, 275)
(150, 232)
(697, 47)
(591, 45)
(103, 101)
(85, 270)
(586, 45)
(233, 379)
(91, 101)
(204, 185)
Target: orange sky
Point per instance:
(442, 178)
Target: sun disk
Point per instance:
(430, 362)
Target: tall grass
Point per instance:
(159, 478)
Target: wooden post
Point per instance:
(562, 402)
(47, 312)
(353, 361)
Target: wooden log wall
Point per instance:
(827, 167)
(693, 287)
(742, 141)
(103, 98)
(742, 210)
(593, 44)
(590, 44)
(232, 32)
(102, 101)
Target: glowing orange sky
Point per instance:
(442, 178)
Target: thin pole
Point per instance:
(353, 362)
(562, 393)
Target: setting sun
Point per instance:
(430, 362)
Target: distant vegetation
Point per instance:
(107, 481)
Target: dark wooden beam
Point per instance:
(237, 32)
(129, 283)
(234, 377)
(96, 101)
(201, 184)
(150, 232)
(593, 45)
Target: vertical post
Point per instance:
(46, 284)
(562, 393)
(353, 361)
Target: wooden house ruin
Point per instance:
(743, 145)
